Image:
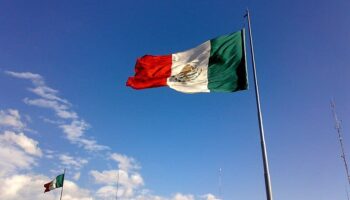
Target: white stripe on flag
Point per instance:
(189, 70)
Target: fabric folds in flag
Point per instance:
(217, 65)
(55, 183)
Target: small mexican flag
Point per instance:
(55, 183)
(217, 65)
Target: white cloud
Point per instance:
(49, 154)
(91, 145)
(17, 152)
(109, 193)
(55, 122)
(124, 162)
(29, 145)
(145, 195)
(40, 87)
(35, 78)
(48, 93)
(73, 192)
(180, 196)
(11, 119)
(28, 186)
(8, 164)
(110, 177)
(16, 186)
(127, 183)
(76, 176)
(131, 183)
(74, 132)
(70, 161)
(209, 197)
(73, 127)
(61, 110)
(48, 151)
(136, 179)
(22, 186)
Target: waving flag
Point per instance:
(55, 183)
(217, 65)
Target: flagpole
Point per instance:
(64, 173)
(261, 127)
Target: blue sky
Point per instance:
(63, 103)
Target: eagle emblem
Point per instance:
(188, 73)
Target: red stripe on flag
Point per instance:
(151, 71)
(47, 186)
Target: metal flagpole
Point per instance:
(64, 173)
(262, 137)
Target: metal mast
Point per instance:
(340, 137)
(261, 127)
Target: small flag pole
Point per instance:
(261, 127)
(64, 173)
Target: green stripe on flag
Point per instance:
(59, 180)
(227, 66)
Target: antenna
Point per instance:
(340, 136)
(116, 195)
(220, 184)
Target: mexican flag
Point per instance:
(217, 65)
(55, 183)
